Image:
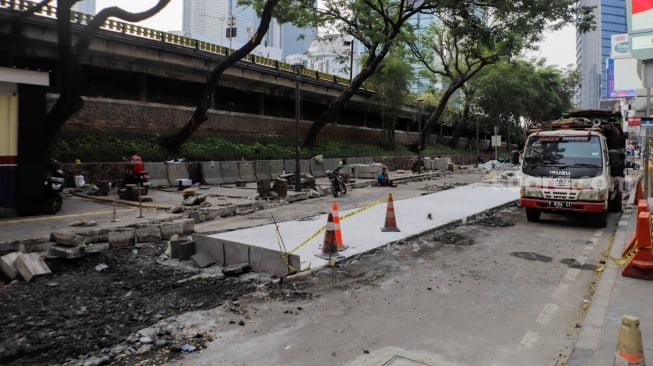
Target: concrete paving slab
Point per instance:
(31, 265)
(362, 227)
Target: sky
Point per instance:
(559, 48)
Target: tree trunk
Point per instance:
(370, 66)
(175, 141)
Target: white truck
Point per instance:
(574, 165)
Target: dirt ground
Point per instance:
(119, 307)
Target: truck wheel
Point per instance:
(601, 219)
(533, 214)
(615, 204)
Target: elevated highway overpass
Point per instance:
(127, 61)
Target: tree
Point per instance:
(173, 142)
(391, 82)
(32, 158)
(376, 24)
(471, 36)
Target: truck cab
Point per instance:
(574, 165)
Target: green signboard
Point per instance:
(640, 28)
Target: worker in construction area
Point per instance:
(383, 179)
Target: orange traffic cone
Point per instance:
(640, 265)
(639, 192)
(642, 206)
(629, 344)
(329, 246)
(336, 227)
(390, 222)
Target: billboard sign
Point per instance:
(617, 78)
(640, 28)
(620, 46)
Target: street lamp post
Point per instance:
(297, 67)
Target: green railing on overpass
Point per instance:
(144, 32)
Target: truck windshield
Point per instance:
(567, 151)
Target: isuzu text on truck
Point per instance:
(574, 165)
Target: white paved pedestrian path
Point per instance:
(361, 228)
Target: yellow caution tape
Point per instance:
(284, 254)
(355, 212)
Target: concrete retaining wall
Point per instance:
(212, 173)
(176, 171)
(227, 252)
(317, 170)
(262, 170)
(276, 168)
(158, 174)
(230, 173)
(246, 171)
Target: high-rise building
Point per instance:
(593, 51)
(224, 22)
(85, 6)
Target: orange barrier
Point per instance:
(390, 222)
(642, 206)
(640, 265)
(629, 344)
(336, 227)
(329, 246)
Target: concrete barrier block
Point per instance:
(235, 253)
(157, 173)
(276, 168)
(182, 249)
(8, 264)
(168, 229)
(368, 171)
(304, 166)
(262, 170)
(63, 251)
(317, 169)
(331, 163)
(202, 260)
(31, 265)
(230, 173)
(148, 233)
(212, 172)
(121, 237)
(176, 171)
(211, 246)
(246, 171)
(67, 238)
(187, 226)
(271, 261)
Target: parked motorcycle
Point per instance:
(53, 186)
(337, 182)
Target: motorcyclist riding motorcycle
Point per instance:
(136, 173)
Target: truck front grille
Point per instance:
(560, 195)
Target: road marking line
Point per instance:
(560, 291)
(623, 223)
(572, 273)
(598, 233)
(43, 218)
(547, 314)
(529, 339)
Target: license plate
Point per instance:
(562, 182)
(560, 204)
